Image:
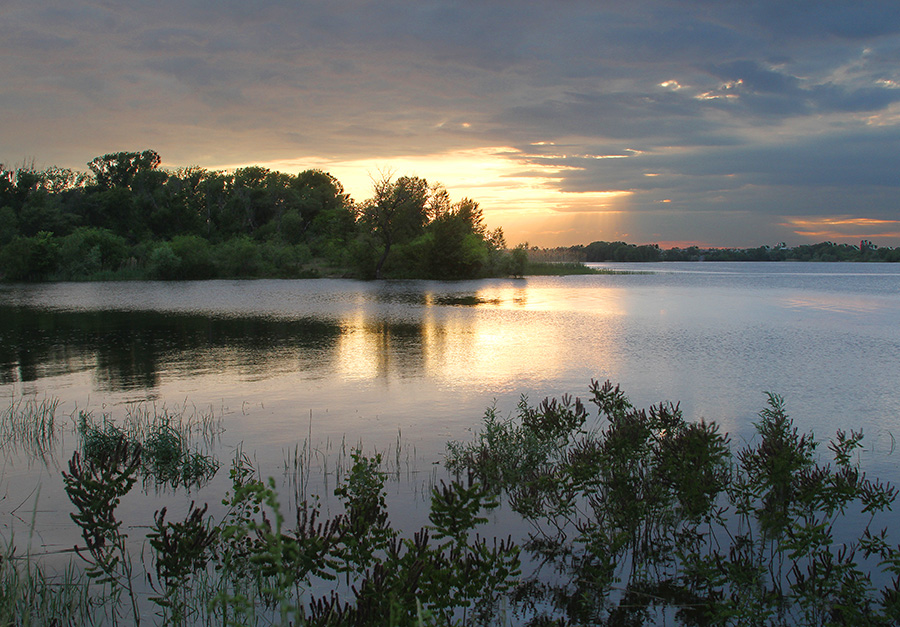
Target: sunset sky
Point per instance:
(717, 122)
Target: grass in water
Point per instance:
(638, 517)
(566, 268)
(31, 595)
(162, 440)
(30, 425)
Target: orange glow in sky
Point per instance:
(520, 196)
(841, 227)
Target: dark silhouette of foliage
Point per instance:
(641, 514)
(129, 218)
(621, 251)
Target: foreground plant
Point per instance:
(785, 561)
(182, 550)
(32, 595)
(375, 576)
(96, 487)
(30, 425)
(641, 515)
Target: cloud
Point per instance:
(714, 105)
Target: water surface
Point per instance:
(347, 361)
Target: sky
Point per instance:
(715, 122)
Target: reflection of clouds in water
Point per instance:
(373, 349)
(460, 349)
(712, 341)
(367, 360)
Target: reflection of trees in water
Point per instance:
(400, 349)
(130, 349)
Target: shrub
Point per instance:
(87, 251)
(196, 257)
(642, 511)
(29, 258)
(163, 263)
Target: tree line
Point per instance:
(128, 218)
(622, 251)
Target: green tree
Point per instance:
(317, 192)
(177, 206)
(397, 213)
(257, 196)
(458, 248)
(128, 190)
(114, 209)
(29, 258)
(120, 169)
(8, 225)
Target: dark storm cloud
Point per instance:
(712, 98)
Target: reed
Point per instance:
(32, 595)
(566, 268)
(195, 426)
(318, 465)
(161, 439)
(30, 425)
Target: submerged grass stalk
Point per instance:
(30, 424)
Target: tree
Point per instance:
(458, 246)
(119, 169)
(318, 191)
(456, 252)
(397, 213)
(469, 212)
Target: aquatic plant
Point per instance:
(182, 550)
(638, 516)
(32, 595)
(643, 516)
(375, 576)
(31, 425)
(96, 486)
(165, 456)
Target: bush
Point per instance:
(87, 251)
(30, 258)
(196, 257)
(644, 514)
(163, 263)
(238, 257)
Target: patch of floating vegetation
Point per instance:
(159, 439)
(469, 300)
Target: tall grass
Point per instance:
(164, 439)
(327, 463)
(566, 268)
(32, 595)
(198, 427)
(29, 424)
